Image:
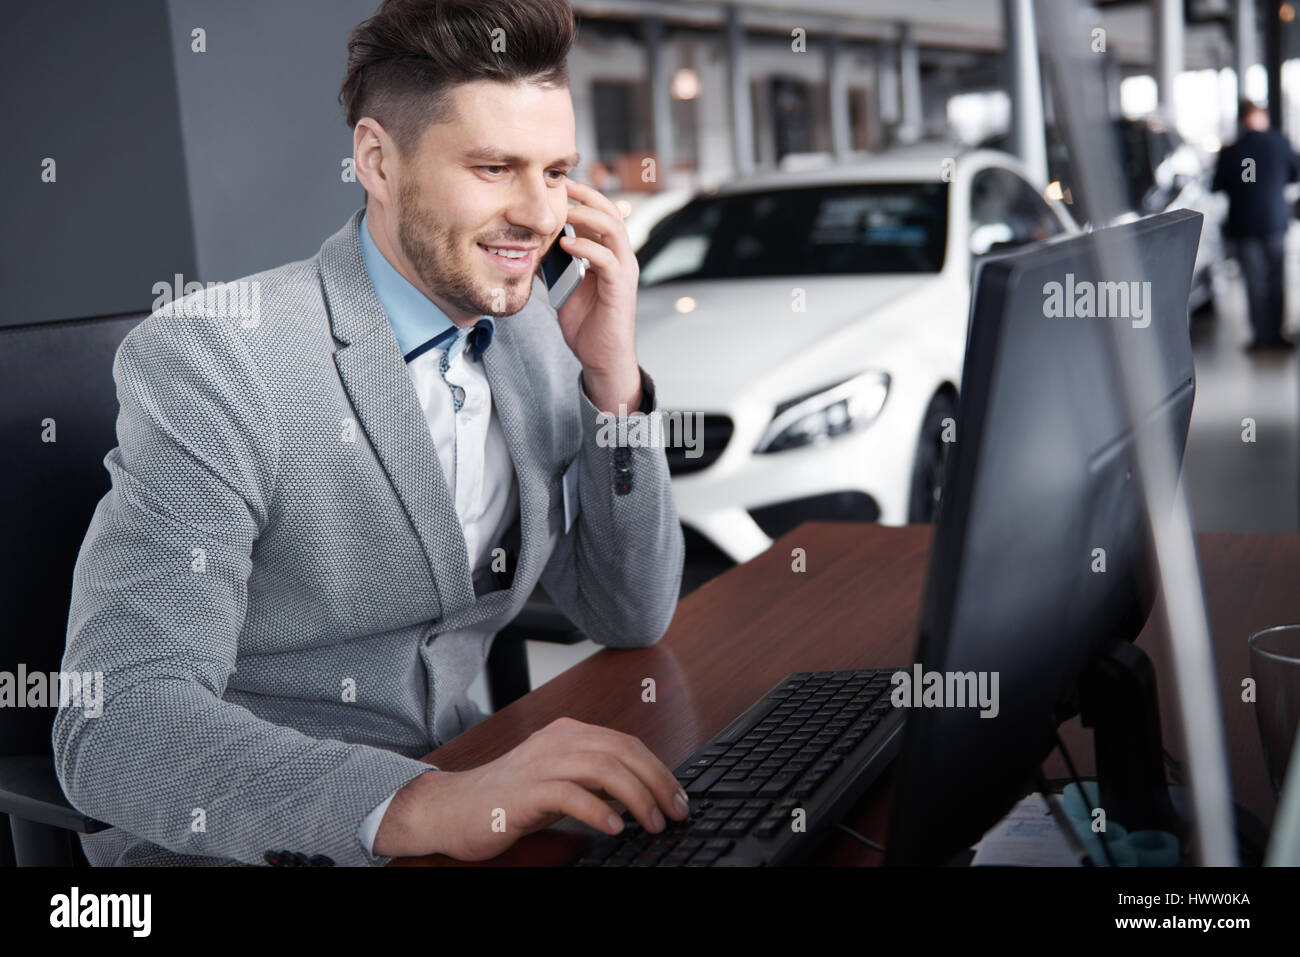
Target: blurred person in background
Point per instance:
(1254, 171)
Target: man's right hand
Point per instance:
(566, 769)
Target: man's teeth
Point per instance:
(508, 253)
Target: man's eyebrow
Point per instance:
(489, 155)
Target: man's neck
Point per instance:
(376, 223)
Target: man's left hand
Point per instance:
(599, 320)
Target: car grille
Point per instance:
(713, 439)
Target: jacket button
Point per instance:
(320, 860)
(275, 858)
(622, 470)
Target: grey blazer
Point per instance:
(265, 585)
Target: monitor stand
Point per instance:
(1117, 699)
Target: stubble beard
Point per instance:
(445, 266)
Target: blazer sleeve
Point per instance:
(158, 603)
(617, 572)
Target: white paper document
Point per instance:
(1027, 837)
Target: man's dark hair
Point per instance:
(1245, 107)
(404, 61)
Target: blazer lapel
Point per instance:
(515, 400)
(374, 375)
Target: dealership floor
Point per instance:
(1234, 485)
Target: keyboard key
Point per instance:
(778, 784)
(735, 828)
(747, 788)
(705, 781)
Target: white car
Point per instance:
(814, 324)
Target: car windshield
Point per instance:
(810, 231)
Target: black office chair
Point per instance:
(56, 381)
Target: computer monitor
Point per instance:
(1041, 571)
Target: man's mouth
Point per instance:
(512, 259)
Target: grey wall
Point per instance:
(264, 135)
(90, 85)
(213, 165)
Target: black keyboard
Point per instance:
(816, 741)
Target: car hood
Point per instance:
(742, 330)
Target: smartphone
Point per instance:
(561, 272)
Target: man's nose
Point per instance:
(532, 207)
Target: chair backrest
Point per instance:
(58, 412)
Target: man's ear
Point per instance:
(374, 156)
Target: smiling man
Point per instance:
(322, 514)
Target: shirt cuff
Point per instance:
(369, 828)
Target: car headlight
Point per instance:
(826, 413)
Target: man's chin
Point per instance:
(517, 291)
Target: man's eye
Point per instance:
(490, 168)
(559, 174)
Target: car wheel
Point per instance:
(931, 458)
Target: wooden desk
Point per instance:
(856, 606)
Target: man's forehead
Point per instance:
(493, 122)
